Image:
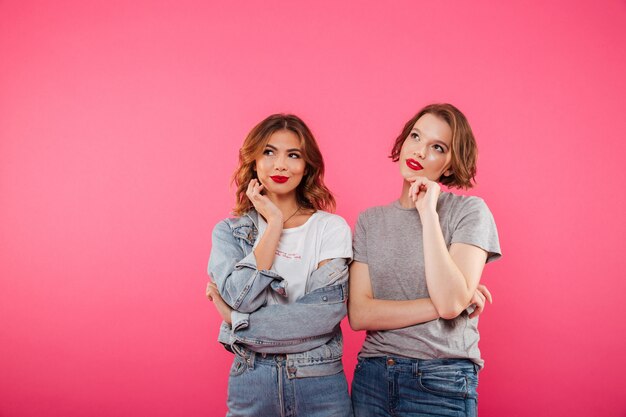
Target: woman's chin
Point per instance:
(410, 175)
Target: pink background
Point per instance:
(120, 123)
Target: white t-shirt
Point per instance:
(301, 249)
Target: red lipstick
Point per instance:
(279, 179)
(414, 165)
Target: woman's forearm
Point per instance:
(368, 313)
(373, 314)
(449, 288)
(265, 251)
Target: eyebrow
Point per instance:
(288, 150)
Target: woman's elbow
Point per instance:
(450, 311)
(356, 325)
(356, 320)
(449, 315)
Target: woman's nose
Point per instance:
(420, 151)
(280, 163)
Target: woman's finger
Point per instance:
(250, 186)
(485, 291)
(477, 310)
(250, 189)
(254, 191)
(479, 305)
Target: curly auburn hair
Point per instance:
(311, 193)
(463, 145)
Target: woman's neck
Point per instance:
(405, 200)
(286, 204)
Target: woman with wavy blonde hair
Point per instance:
(311, 193)
(279, 278)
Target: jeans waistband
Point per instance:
(252, 357)
(415, 365)
(297, 366)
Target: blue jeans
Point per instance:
(261, 385)
(391, 386)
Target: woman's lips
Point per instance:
(279, 179)
(414, 165)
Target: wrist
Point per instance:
(275, 220)
(428, 212)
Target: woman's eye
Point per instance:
(439, 148)
(294, 155)
(268, 152)
(414, 135)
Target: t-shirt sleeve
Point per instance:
(337, 239)
(359, 245)
(475, 226)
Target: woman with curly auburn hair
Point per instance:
(279, 278)
(414, 282)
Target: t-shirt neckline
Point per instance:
(297, 228)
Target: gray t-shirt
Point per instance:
(389, 240)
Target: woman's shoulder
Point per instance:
(236, 221)
(237, 225)
(454, 209)
(381, 210)
(456, 202)
(331, 219)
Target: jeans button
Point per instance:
(390, 362)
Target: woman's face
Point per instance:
(426, 150)
(281, 166)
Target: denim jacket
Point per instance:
(307, 331)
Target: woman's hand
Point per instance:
(214, 295)
(481, 295)
(262, 204)
(424, 193)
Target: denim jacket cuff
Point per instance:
(239, 320)
(278, 284)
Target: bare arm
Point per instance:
(367, 313)
(266, 248)
(452, 276)
(213, 294)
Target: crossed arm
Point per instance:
(368, 313)
(279, 328)
(452, 277)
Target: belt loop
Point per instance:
(247, 354)
(238, 350)
(416, 367)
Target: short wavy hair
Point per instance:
(463, 145)
(311, 193)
